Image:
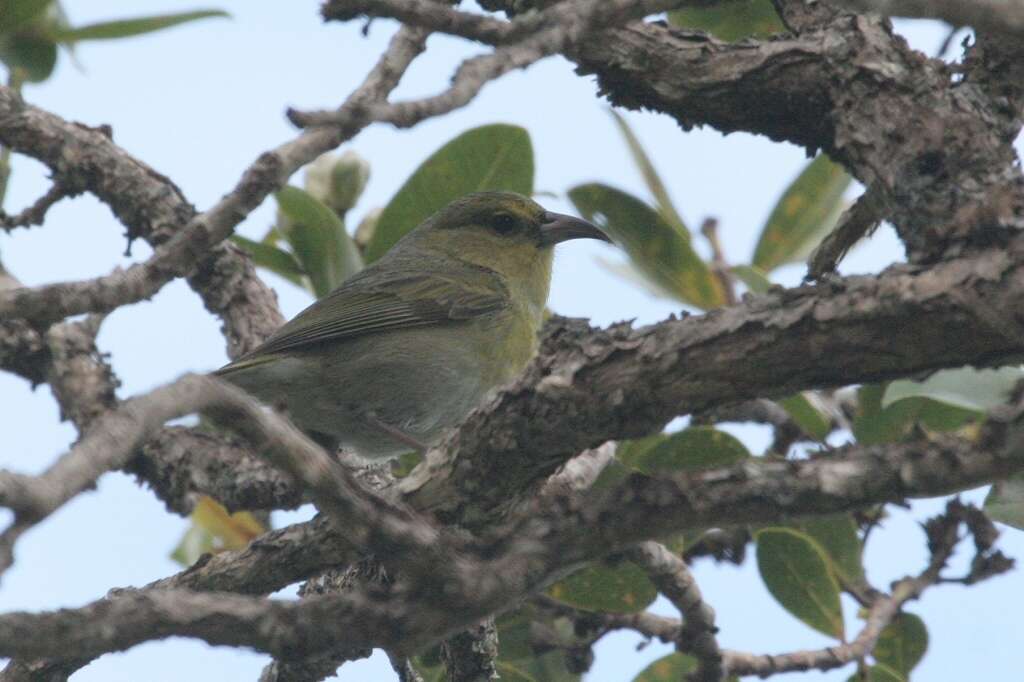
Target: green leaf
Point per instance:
(658, 249)
(902, 644)
(316, 234)
(878, 673)
(622, 588)
(731, 21)
(273, 236)
(278, 261)
(635, 448)
(697, 447)
(17, 13)
(405, 463)
(34, 53)
(874, 425)
(615, 473)
(671, 668)
(491, 157)
(548, 667)
(806, 212)
(650, 176)
(753, 277)
(515, 635)
(810, 419)
(971, 389)
(837, 536)
(429, 665)
(510, 673)
(796, 572)
(1005, 502)
(124, 28)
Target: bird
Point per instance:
(403, 350)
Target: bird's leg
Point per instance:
(398, 434)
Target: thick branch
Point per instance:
(405, 619)
(180, 464)
(895, 119)
(591, 385)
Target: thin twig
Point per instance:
(536, 37)
(857, 222)
(179, 255)
(36, 213)
(442, 19)
(672, 577)
(719, 264)
(943, 537)
(596, 624)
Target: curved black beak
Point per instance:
(558, 227)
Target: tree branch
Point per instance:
(589, 386)
(672, 577)
(401, 618)
(943, 538)
(23, 350)
(995, 16)
(36, 213)
(931, 146)
(148, 204)
(369, 521)
(425, 14)
(596, 624)
(470, 655)
(541, 35)
(440, 18)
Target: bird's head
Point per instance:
(513, 218)
(503, 230)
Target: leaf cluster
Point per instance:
(31, 31)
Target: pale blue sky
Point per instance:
(199, 103)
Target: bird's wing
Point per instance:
(397, 300)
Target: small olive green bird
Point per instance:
(407, 347)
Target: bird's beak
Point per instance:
(558, 227)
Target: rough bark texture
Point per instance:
(593, 385)
(937, 149)
(506, 505)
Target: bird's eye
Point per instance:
(503, 222)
